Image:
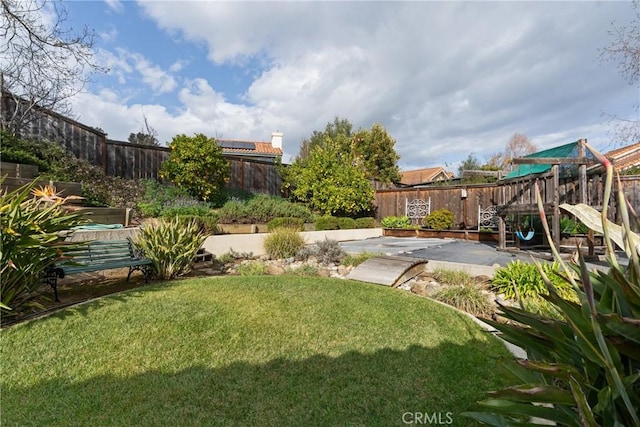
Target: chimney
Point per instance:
(276, 139)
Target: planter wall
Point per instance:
(444, 234)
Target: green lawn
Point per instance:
(247, 351)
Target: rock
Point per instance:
(343, 270)
(419, 288)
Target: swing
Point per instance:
(526, 237)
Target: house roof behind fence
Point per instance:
(625, 157)
(420, 176)
(258, 148)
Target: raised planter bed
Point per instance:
(478, 236)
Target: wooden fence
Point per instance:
(132, 161)
(518, 195)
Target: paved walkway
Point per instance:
(478, 258)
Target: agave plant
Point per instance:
(584, 368)
(32, 223)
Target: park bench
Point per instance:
(99, 255)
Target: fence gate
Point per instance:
(488, 217)
(417, 209)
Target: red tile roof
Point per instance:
(625, 157)
(262, 148)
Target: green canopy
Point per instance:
(569, 151)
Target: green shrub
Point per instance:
(396, 222)
(584, 366)
(525, 280)
(366, 222)
(31, 242)
(468, 298)
(170, 245)
(305, 270)
(329, 251)
(261, 208)
(207, 224)
(160, 200)
(251, 268)
(441, 219)
(345, 223)
(283, 243)
(286, 222)
(453, 277)
(570, 226)
(186, 207)
(357, 259)
(232, 256)
(326, 222)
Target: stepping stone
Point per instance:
(388, 270)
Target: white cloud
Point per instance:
(115, 5)
(445, 79)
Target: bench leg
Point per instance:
(52, 280)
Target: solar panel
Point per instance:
(241, 145)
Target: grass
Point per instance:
(246, 351)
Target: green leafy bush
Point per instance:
(251, 268)
(261, 208)
(31, 242)
(584, 367)
(396, 222)
(286, 222)
(366, 222)
(468, 298)
(329, 251)
(570, 226)
(283, 243)
(170, 245)
(441, 219)
(196, 164)
(326, 223)
(345, 223)
(160, 200)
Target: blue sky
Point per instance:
(445, 78)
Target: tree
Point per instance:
(375, 147)
(519, 145)
(330, 180)
(624, 49)
(470, 164)
(197, 165)
(43, 62)
(147, 136)
(333, 132)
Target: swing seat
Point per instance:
(528, 236)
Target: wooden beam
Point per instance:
(555, 219)
(552, 161)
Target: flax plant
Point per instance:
(584, 368)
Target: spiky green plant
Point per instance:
(31, 242)
(584, 368)
(170, 245)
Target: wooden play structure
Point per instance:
(565, 174)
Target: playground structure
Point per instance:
(565, 174)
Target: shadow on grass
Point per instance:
(87, 297)
(370, 389)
